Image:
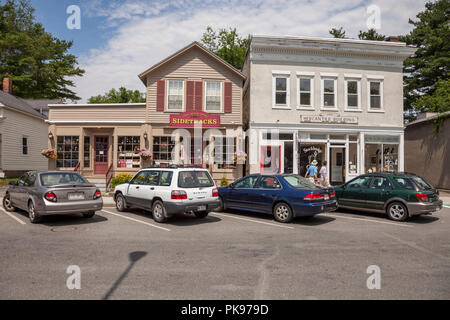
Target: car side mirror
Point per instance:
(127, 181)
(231, 186)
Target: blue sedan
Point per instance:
(284, 195)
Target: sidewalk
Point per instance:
(108, 202)
(444, 195)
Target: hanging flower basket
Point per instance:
(49, 154)
(145, 155)
(240, 156)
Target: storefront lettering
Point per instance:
(196, 118)
(329, 119)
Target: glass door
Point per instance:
(337, 165)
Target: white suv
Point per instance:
(168, 191)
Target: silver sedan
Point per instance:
(53, 193)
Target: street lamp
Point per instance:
(50, 136)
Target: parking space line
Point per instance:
(369, 220)
(136, 220)
(256, 221)
(12, 216)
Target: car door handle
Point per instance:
(137, 187)
(152, 188)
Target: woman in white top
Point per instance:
(324, 175)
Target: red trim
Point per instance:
(190, 95)
(198, 96)
(261, 160)
(228, 97)
(160, 95)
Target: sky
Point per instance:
(118, 40)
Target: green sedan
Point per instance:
(399, 195)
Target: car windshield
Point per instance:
(421, 184)
(54, 179)
(195, 179)
(299, 182)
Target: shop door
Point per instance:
(270, 159)
(337, 165)
(101, 155)
(288, 157)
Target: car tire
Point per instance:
(159, 212)
(282, 212)
(89, 215)
(121, 203)
(7, 204)
(222, 207)
(397, 211)
(33, 216)
(201, 214)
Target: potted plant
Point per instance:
(240, 156)
(49, 154)
(145, 154)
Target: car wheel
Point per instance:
(89, 215)
(397, 211)
(201, 215)
(7, 204)
(159, 212)
(222, 206)
(121, 203)
(34, 217)
(283, 213)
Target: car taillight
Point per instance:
(178, 195)
(333, 194)
(314, 197)
(215, 193)
(50, 196)
(97, 194)
(422, 197)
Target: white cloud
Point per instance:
(149, 31)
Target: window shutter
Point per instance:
(199, 95)
(228, 97)
(190, 95)
(160, 95)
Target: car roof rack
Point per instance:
(175, 166)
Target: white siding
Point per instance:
(13, 128)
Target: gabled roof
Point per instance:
(194, 44)
(13, 102)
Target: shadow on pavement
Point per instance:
(64, 220)
(133, 257)
(310, 221)
(176, 220)
(423, 219)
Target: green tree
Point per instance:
(227, 44)
(438, 101)
(337, 33)
(119, 96)
(36, 61)
(431, 35)
(371, 34)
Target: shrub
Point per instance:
(120, 179)
(224, 182)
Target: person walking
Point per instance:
(324, 175)
(312, 172)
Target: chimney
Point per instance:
(392, 39)
(7, 85)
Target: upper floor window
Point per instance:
(306, 92)
(281, 90)
(375, 95)
(329, 93)
(213, 96)
(352, 94)
(25, 145)
(175, 95)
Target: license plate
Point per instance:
(76, 196)
(202, 208)
(327, 197)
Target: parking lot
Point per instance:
(230, 255)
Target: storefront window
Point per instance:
(381, 157)
(308, 153)
(128, 152)
(162, 148)
(68, 151)
(87, 152)
(224, 150)
(390, 157)
(353, 158)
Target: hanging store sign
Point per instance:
(329, 119)
(192, 118)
